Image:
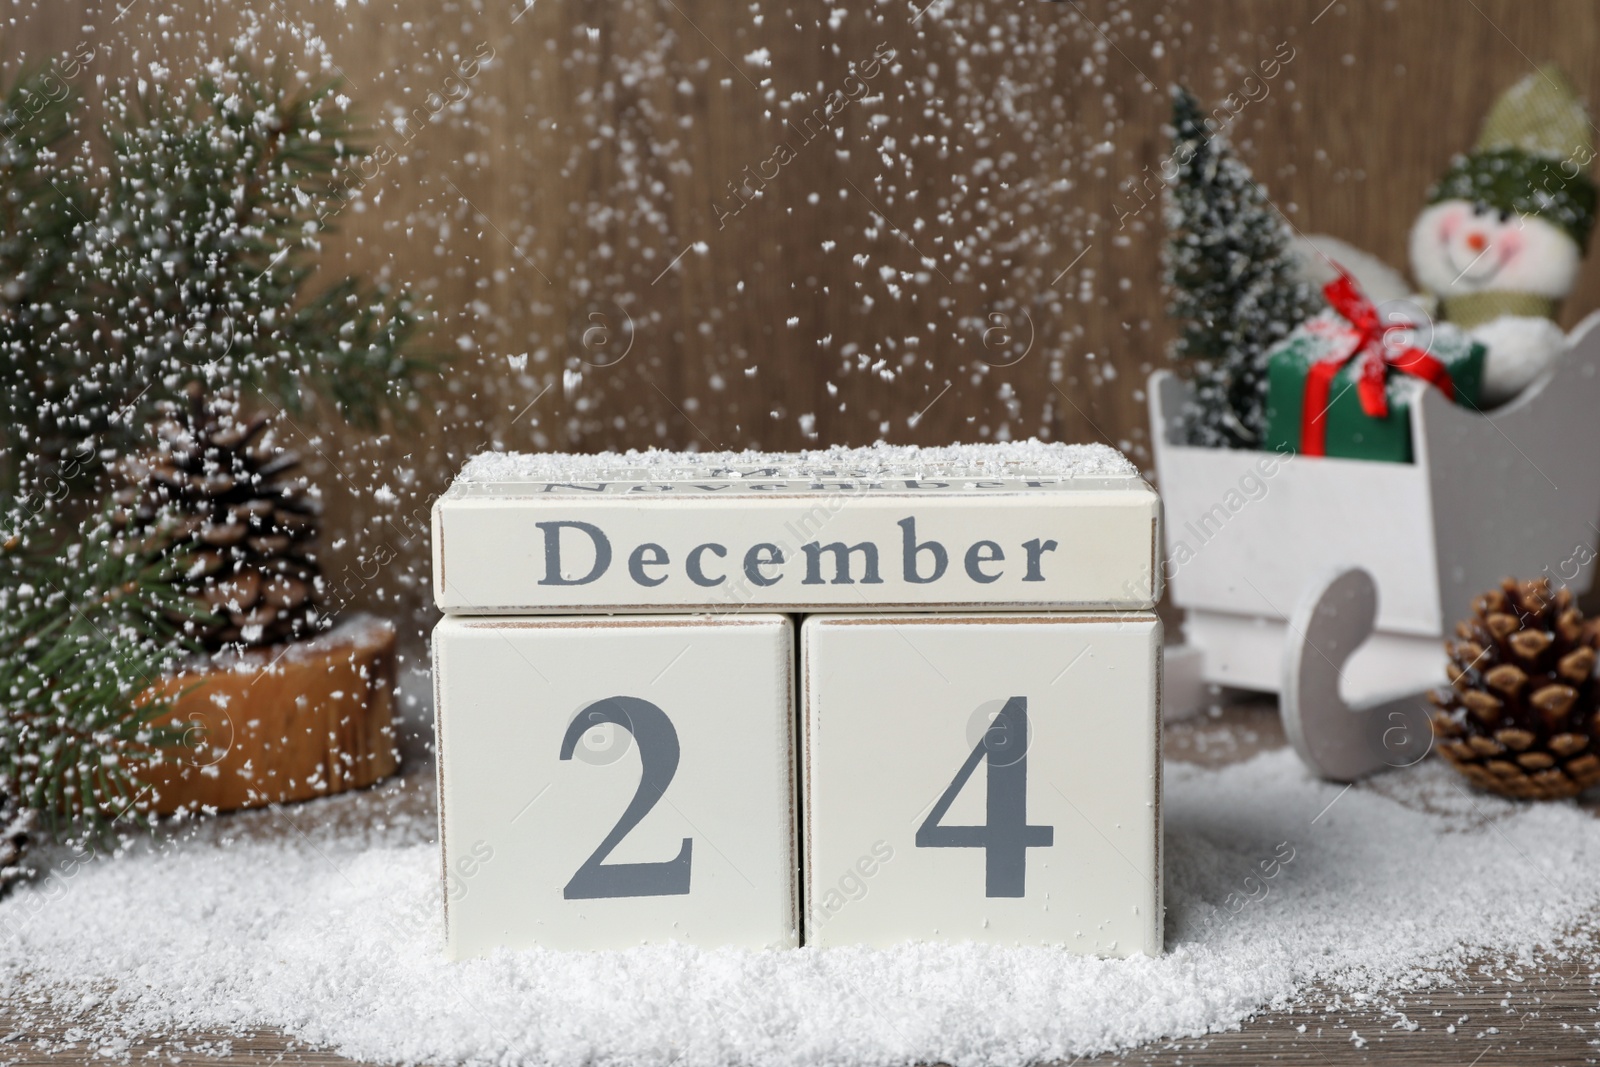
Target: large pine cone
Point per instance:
(218, 484)
(1519, 718)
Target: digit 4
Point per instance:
(1005, 835)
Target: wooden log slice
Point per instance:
(281, 724)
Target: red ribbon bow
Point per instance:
(1373, 385)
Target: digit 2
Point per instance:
(657, 739)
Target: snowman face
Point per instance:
(1458, 247)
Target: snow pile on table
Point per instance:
(1276, 881)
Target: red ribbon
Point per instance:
(1373, 385)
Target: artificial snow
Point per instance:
(875, 461)
(1282, 890)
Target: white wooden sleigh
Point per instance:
(1332, 581)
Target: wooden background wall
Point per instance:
(945, 262)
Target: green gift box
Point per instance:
(1350, 432)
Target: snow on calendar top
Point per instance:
(1009, 460)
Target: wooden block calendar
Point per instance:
(769, 700)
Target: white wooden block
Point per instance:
(610, 782)
(992, 778)
(979, 528)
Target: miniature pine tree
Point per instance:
(190, 260)
(1233, 286)
(183, 264)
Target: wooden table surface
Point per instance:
(1550, 1017)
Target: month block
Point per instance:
(610, 782)
(978, 528)
(991, 778)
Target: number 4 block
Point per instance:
(609, 782)
(990, 778)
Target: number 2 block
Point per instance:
(609, 782)
(991, 778)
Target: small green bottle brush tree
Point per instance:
(1232, 283)
(154, 280)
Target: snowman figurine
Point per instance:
(1499, 244)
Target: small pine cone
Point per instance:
(1519, 717)
(218, 486)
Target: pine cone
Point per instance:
(16, 831)
(1520, 715)
(217, 483)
